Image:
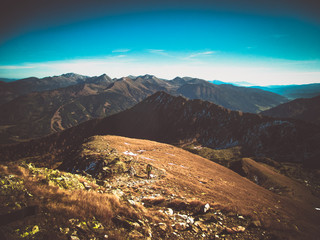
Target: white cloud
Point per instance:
(158, 51)
(198, 54)
(13, 67)
(121, 50)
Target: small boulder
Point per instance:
(190, 220)
(169, 212)
(163, 226)
(206, 208)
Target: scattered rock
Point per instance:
(163, 226)
(132, 171)
(234, 229)
(181, 226)
(201, 225)
(64, 230)
(239, 229)
(134, 234)
(195, 229)
(169, 212)
(74, 238)
(181, 216)
(229, 230)
(86, 185)
(190, 220)
(132, 202)
(206, 208)
(135, 225)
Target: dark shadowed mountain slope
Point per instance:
(177, 120)
(294, 91)
(306, 109)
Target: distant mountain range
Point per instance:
(229, 96)
(176, 120)
(306, 109)
(294, 91)
(36, 107)
(14, 89)
(7, 79)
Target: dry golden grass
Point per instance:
(154, 201)
(71, 204)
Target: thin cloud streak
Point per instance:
(14, 67)
(158, 52)
(201, 54)
(121, 50)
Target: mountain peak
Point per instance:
(147, 76)
(104, 77)
(72, 75)
(162, 97)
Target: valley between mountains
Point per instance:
(75, 150)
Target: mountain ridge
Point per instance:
(12, 90)
(97, 97)
(306, 109)
(176, 120)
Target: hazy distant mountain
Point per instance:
(229, 96)
(43, 112)
(240, 84)
(294, 91)
(176, 120)
(306, 109)
(7, 79)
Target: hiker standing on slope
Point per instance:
(149, 168)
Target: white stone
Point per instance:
(206, 208)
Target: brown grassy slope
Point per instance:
(268, 178)
(192, 175)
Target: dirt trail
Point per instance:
(56, 120)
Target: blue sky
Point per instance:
(253, 46)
